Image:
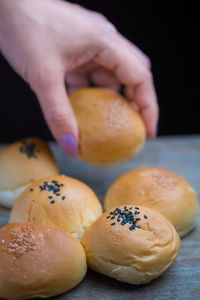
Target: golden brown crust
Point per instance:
(21, 164)
(37, 261)
(160, 189)
(136, 256)
(110, 129)
(62, 202)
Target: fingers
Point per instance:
(76, 80)
(91, 73)
(59, 115)
(105, 78)
(132, 71)
(149, 112)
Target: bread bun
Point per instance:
(37, 261)
(21, 164)
(110, 129)
(62, 202)
(159, 189)
(131, 244)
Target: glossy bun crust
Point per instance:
(137, 255)
(21, 164)
(110, 129)
(62, 202)
(37, 261)
(159, 189)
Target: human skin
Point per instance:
(50, 42)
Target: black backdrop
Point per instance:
(166, 31)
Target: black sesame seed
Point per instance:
(138, 226)
(145, 216)
(31, 190)
(113, 224)
(28, 149)
(131, 207)
(50, 197)
(137, 207)
(63, 197)
(125, 216)
(107, 217)
(52, 202)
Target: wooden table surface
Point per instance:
(182, 280)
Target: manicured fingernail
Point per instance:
(69, 144)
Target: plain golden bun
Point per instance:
(159, 189)
(131, 244)
(110, 129)
(37, 261)
(62, 202)
(21, 164)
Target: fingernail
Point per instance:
(69, 144)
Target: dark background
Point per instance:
(166, 31)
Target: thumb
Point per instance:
(59, 115)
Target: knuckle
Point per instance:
(99, 15)
(146, 75)
(148, 62)
(45, 79)
(102, 23)
(56, 116)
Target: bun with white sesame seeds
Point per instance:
(131, 244)
(110, 129)
(62, 202)
(37, 261)
(21, 164)
(159, 189)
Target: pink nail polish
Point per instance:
(69, 144)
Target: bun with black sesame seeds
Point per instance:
(110, 129)
(131, 244)
(159, 189)
(21, 164)
(37, 261)
(62, 202)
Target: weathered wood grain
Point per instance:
(182, 280)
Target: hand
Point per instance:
(48, 42)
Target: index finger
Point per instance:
(117, 56)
